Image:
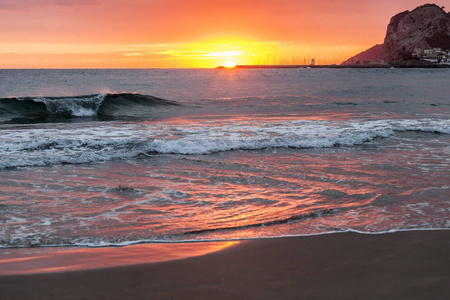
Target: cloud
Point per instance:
(200, 54)
(36, 5)
(78, 2)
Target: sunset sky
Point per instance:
(189, 33)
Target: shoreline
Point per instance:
(400, 265)
(23, 261)
(52, 259)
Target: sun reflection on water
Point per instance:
(223, 195)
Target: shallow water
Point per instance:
(243, 154)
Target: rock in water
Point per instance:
(408, 33)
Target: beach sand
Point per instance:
(403, 265)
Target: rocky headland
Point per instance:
(414, 38)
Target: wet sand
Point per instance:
(46, 260)
(405, 265)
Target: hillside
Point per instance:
(370, 55)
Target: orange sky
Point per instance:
(188, 33)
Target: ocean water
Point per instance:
(117, 157)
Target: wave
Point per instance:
(104, 142)
(288, 220)
(32, 241)
(102, 106)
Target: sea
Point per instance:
(115, 157)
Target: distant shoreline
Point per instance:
(333, 66)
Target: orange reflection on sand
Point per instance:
(27, 261)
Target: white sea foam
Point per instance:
(79, 107)
(65, 144)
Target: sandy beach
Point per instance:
(404, 265)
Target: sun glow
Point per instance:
(229, 64)
(222, 51)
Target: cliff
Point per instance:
(409, 33)
(370, 55)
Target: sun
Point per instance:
(229, 64)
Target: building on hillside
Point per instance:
(435, 55)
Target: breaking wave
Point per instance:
(101, 106)
(67, 145)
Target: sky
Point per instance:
(190, 33)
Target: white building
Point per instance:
(436, 55)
